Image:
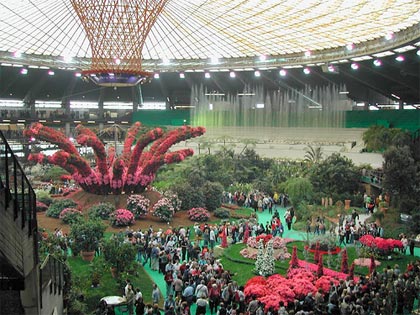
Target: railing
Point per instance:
(18, 191)
(51, 276)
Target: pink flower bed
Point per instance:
(365, 262)
(276, 288)
(383, 244)
(121, 217)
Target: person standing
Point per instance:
(411, 244)
(155, 294)
(201, 306)
(130, 298)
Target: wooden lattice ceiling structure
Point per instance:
(117, 31)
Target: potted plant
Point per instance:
(85, 236)
(118, 254)
(98, 268)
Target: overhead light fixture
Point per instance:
(306, 70)
(50, 72)
(207, 75)
(77, 74)
(117, 61)
(263, 58)
(17, 54)
(232, 74)
(418, 52)
(24, 71)
(399, 58)
(349, 46)
(307, 53)
(331, 68)
(156, 76)
(182, 75)
(354, 66)
(282, 72)
(377, 62)
(257, 73)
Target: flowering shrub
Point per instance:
(279, 247)
(138, 205)
(278, 242)
(101, 210)
(173, 197)
(163, 209)
(131, 172)
(40, 206)
(121, 217)
(326, 242)
(70, 215)
(59, 205)
(198, 214)
(381, 245)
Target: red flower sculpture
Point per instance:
(129, 173)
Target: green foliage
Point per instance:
(53, 174)
(117, 253)
(299, 189)
(59, 205)
(43, 196)
(313, 154)
(380, 138)
(86, 235)
(222, 213)
(414, 225)
(213, 195)
(190, 196)
(335, 175)
(101, 211)
(71, 215)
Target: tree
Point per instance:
(313, 155)
(401, 177)
(335, 175)
(299, 189)
(213, 195)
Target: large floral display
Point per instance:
(279, 246)
(129, 173)
(383, 246)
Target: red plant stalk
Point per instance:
(129, 140)
(316, 254)
(351, 271)
(172, 157)
(99, 150)
(41, 132)
(344, 262)
(224, 239)
(294, 262)
(111, 155)
(142, 142)
(43, 159)
(320, 271)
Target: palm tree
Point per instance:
(313, 155)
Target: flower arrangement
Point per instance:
(40, 206)
(138, 205)
(279, 247)
(198, 214)
(101, 210)
(381, 245)
(121, 217)
(130, 173)
(325, 243)
(163, 209)
(70, 215)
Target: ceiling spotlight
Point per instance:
(50, 72)
(207, 75)
(77, 74)
(282, 72)
(156, 76)
(354, 66)
(350, 46)
(117, 61)
(17, 54)
(306, 71)
(232, 74)
(399, 58)
(257, 73)
(418, 52)
(307, 53)
(331, 68)
(182, 75)
(377, 62)
(263, 58)
(24, 71)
